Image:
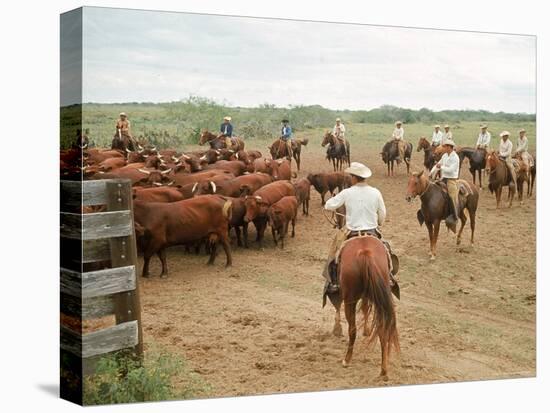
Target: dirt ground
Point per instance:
(259, 327)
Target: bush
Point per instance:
(120, 378)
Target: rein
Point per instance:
(330, 218)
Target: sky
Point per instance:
(147, 56)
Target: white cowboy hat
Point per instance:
(447, 127)
(227, 118)
(359, 169)
(398, 122)
(522, 130)
(483, 127)
(437, 126)
(122, 114)
(449, 142)
(338, 120)
(504, 133)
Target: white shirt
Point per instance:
(450, 164)
(339, 131)
(365, 207)
(398, 133)
(522, 144)
(505, 148)
(447, 135)
(484, 139)
(437, 137)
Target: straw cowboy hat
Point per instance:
(504, 133)
(228, 118)
(123, 114)
(437, 126)
(398, 123)
(338, 120)
(483, 127)
(447, 127)
(449, 142)
(522, 130)
(358, 169)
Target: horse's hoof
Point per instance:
(337, 330)
(384, 377)
(432, 257)
(164, 275)
(345, 363)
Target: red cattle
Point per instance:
(140, 176)
(213, 185)
(262, 165)
(281, 170)
(157, 194)
(258, 204)
(235, 167)
(303, 187)
(238, 211)
(329, 182)
(111, 163)
(95, 156)
(280, 215)
(182, 178)
(161, 225)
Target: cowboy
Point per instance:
(447, 135)
(484, 138)
(521, 149)
(449, 165)
(397, 136)
(123, 126)
(339, 130)
(365, 212)
(437, 136)
(505, 153)
(286, 136)
(226, 131)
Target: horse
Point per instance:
(278, 150)
(477, 159)
(337, 152)
(123, 143)
(429, 157)
(363, 273)
(218, 141)
(532, 176)
(390, 153)
(523, 175)
(435, 207)
(499, 176)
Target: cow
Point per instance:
(303, 192)
(281, 170)
(182, 178)
(262, 165)
(95, 156)
(161, 225)
(212, 185)
(235, 167)
(157, 194)
(280, 215)
(138, 176)
(329, 182)
(258, 203)
(111, 163)
(238, 211)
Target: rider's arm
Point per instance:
(381, 212)
(336, 201)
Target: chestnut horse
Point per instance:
(390, 152)
(499, 176)
(363, 273)
(278, 150)
(435, 208)
(218, 142)
(336, 151)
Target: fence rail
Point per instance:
(98, 274)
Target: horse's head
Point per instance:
(326, 139)
(205, 136)
(491, 160)
(422, 144)
(418, 182)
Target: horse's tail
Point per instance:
(304, 141)
(378, 294)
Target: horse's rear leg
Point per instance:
(349, 309)
(472, 224)
(511, 194)
(385, 350)
(337, 329)
(366, 308)
(162, 256)
(462, 223)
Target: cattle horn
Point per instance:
(217, 152)
(167, 171)
(154, 149)
(259, 198)
(194, 187)
(157, 183)
(231, 150)
(279, 161)
(237, 155)
(185, 156)
(170, 183)
(175, 159)
(145, 171)
(128, 150)
(202, 158)
(213, 186)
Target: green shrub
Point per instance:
(121, 379)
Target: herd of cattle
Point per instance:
(197, 198)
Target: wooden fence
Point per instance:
(98, 272)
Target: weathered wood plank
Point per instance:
(86, 193)
(98, 283)
(95, 250)
(87, 308)
(96, 226)
(100, 342)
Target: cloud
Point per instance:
(134, 55)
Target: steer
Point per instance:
(328, 182)
(280, 214)
(258, 203)
(238, 211)
(161, 225)
(235, 167)
(281, 170)
(157, 194)
(303, 191)
(262, 165)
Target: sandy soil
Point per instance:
(259, 328)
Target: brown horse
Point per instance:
(435, 207)
(363, 272)
(218, 141)
(523, 176)
(337, 152)
(499, 176)
(278, 150)
(390, 153)
(430, 155)
(532, 176)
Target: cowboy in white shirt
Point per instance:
(447, 135)
(437, 136)
(505, 153)
(365, 212)
(398, 136)
(484, 138)
(339, 131)
(449, 165)
(522, 147)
